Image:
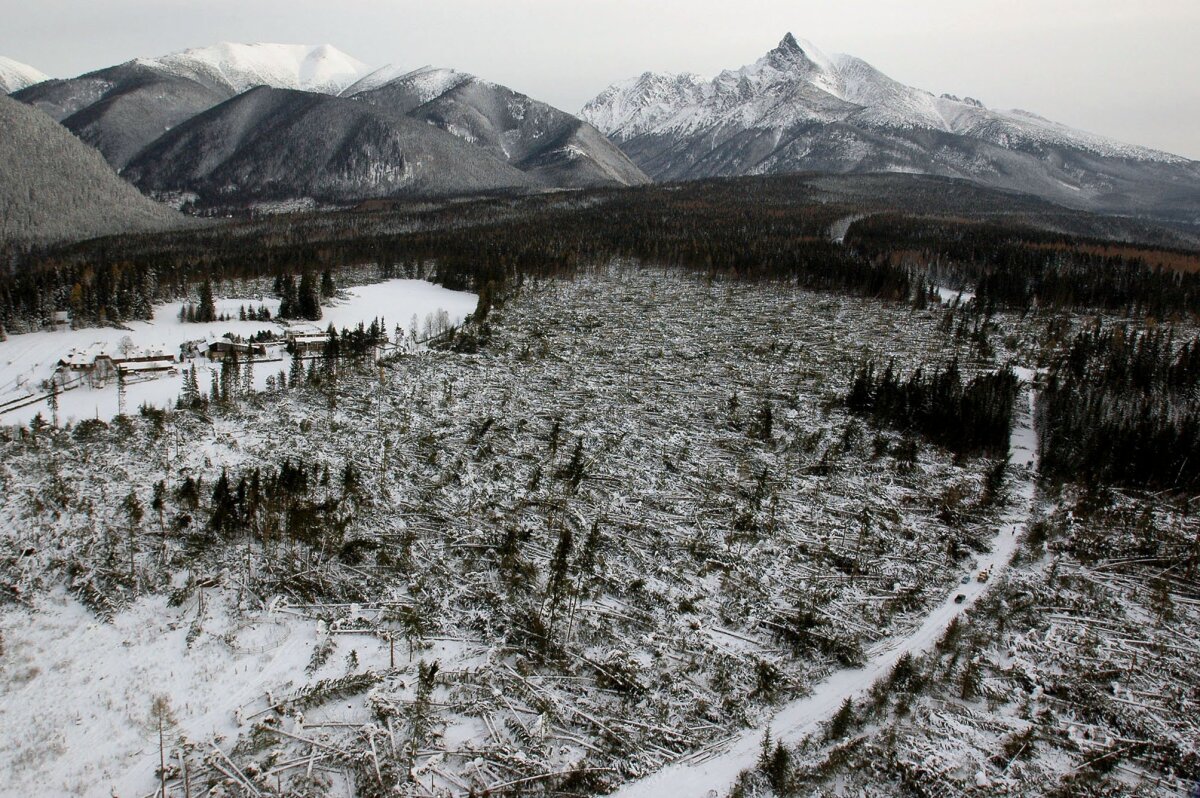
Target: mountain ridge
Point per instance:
(797, 109)
(239, 67)
(269, 145)
(558, 148)
(849, 79)
(127, 109)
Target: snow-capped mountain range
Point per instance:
(239, 67)
(280, 122)
(797, 83)
(15, 76)
(795, 109)
(798, 109)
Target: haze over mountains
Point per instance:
(236, 124)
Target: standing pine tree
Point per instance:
(52, 400)
(558, 571)
(159, 504)
(309, 303)
(224, 507)
(208, 308)
(285, 286)
(190, 395)
(328, 289)
(134, 512)
(296, 375)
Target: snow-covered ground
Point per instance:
(81, 690)
(28, 360)
(949, 296)
(711, 774)
(671, 464)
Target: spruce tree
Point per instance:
(309, 306)
(207, 312)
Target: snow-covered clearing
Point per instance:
(712, 772)
(28, 360)
(951, 296)
(81, 690)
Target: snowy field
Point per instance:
(27, 360)
(77, 684)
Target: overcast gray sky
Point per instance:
(1122, 68)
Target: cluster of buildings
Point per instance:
(100, 363)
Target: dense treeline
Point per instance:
(1020, 268)
(1123, 407)
(296, 502)
(968, 417)
(754, 228)
(759, 228)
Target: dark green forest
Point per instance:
(760, 229)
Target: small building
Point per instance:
(223, 348)
(147, 370)
(306, 340)
(60, 320)
(84, 359)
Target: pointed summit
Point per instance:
(789, 51)
(797, 55)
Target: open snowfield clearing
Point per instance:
(77, 714)
(28, 360)
(77, 717)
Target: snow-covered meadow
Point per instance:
(27, 360)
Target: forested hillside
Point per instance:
(57, 188)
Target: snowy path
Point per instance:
(706, 774)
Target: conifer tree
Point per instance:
(207, 311)
(308, 303)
